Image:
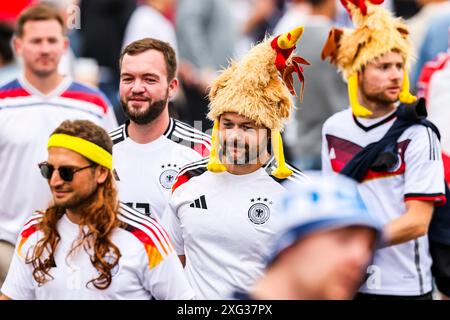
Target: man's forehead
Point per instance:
(389, 57)
(237, 118)
(43, 28)
(135, 63)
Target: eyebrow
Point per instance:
(241, 123)
(126, 74)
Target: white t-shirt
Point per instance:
(403, 269)
(222, 223)
(145, 173)
(148, 267)
(27, 118)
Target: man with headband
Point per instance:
(87, 245)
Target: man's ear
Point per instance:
(101, 173)
(17, 45)
(173, 86)
(66, 44)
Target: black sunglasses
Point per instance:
(65, 172)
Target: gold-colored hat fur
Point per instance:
(259, 88)
(252, 88)
(376, 33)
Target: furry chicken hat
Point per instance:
(376, 33)
(258, 87)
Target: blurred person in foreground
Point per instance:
(325, 240)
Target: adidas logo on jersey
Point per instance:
(199, 203)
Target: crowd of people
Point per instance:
(164, 176)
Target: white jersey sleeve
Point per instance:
(326, 163)
(18, 284)
(171, 222)
(424, 173)
(163, 275)
(109, 120)
(167, 281)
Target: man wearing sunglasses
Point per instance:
(87, 245)
(31, 106)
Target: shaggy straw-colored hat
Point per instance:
(376, 33)
(259, 87)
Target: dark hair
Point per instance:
(6, 33)
(38, 12)
(316, 3)
(100, 217)
(145, 44)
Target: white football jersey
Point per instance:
(403, 269)
(148, 267)
(145, 173)
(223, 223)
(27, 118)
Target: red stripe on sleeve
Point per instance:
(88, 97)
(180, 180)
(439, 200)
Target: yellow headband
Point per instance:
(86, 148)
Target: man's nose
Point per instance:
(45, 47)
(396, 74)
(55, 180)
(234, 134)
(138, 86)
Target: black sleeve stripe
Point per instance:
(192, 135)
(431, 154)
(194, 165)
(191, 129)
(295, 170)
(191, 139)
(414, 195)
(118, 135)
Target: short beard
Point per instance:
(77, 202)
(250, 156)
(153, 111)
(378, 98)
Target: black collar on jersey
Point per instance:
(366, 129)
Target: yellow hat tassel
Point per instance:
(214, 164)
(281, 171)
(357, 109)
(405, 95)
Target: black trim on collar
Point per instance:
(125, 129)
(169, 128)
(366, 129)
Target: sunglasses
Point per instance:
(65, 172)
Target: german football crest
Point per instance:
(167, 177)
(259, 211)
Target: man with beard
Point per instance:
(151, 147)
(87, 245)
(401, 191)
(222, 209)
(31, 106)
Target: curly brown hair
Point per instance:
(100, 217)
